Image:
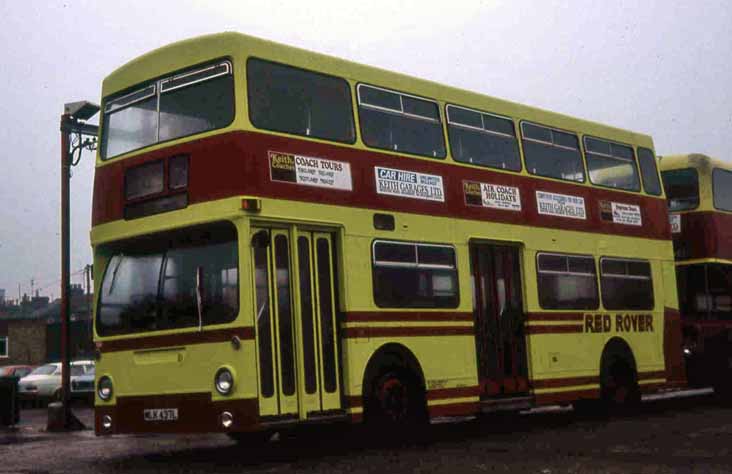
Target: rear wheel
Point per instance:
(397, 401)
(620, 390)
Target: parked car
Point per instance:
(82, 386)
(44, 383)
(19, 371)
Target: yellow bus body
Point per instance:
(448, 362)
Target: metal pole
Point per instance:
(65, 273)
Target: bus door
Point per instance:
(499, 319)
(295, 312)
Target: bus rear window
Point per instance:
(649, 171)
(291, 100)
(682, 188)
(173, 107)
(150, 283)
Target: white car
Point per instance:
(82, 386)
(44, 383)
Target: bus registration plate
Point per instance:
(161, 414)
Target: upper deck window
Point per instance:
(482, 139)
(291, 100)
(682, 188)
(722, 188)
(552, 153)
(611, 164)
(649, 171)
(399, 122)
(173, 107)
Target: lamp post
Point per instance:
(73, 123)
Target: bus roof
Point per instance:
(239, 47)
(702, 163)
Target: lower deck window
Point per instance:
(412, 275)
(704, 291)
(567, 281)
(3, 346)
(626, 284)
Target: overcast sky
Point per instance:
(658, 67)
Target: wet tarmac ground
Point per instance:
(691, 434)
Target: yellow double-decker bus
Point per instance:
(699, 192)
(282, 237)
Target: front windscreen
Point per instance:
(682, 188)
(177, 106)
(150, 283)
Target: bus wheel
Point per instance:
(620, 390)
(397, 400)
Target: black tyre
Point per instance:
(397, 400)
(620, 390)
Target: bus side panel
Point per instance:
(450, 380)
(673, 338)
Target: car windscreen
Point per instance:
(150, 284)
(77, 370)
(44, 370)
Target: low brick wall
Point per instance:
(26, 342)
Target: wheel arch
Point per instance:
(617, 350)
(389, 355)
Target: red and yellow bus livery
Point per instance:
(699, 192)
(282, 237)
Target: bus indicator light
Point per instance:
(254, 205)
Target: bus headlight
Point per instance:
(224, 381)
(104, 388)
